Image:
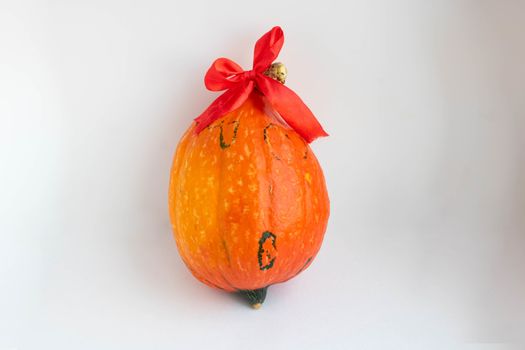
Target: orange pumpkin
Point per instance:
(247, 200)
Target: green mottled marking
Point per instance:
(262, 252)
(221, 136)
(265, 131)
(267, 140)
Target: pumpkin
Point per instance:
(247, 200)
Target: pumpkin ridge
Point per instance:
(221, 230)
(179, 184)
(268, 192)
(206, 272)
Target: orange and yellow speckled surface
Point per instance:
(247, 200)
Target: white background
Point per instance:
(425, 104)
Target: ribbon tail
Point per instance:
(224, 104)
(291, 108)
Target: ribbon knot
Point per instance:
(224, 74)
(249, 75)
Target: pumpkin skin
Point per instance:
(247, 200)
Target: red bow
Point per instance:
(224, 74)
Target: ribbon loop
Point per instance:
(224, 74)
(267, 49)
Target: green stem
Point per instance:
(255, 297)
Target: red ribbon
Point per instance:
(224, 74)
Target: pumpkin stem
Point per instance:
(255, 297)
(277, 71)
